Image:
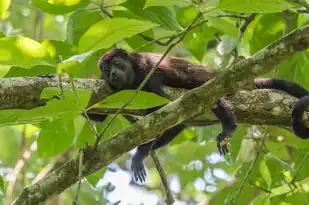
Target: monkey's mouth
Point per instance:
(116, 82)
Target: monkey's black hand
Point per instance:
(223, 144)
(46, 75)
(138, 168)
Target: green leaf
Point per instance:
(186, 15)
(55, 137)
(261, 200)
(9, 141)
(267, 28)
(227, 27)
(79, 22)
(106, 33)
(1, 185)
(277, 149)
(119, 124)
(86, 136)
(298, 74)
(95, 177)
(254, 6)
(137, 42)
(162, 16)
(33, 71)
(159, 14)
(197, 38)
(167, 3)
(59, 50)
(4, 5)
(23, 52)
(142, 100)
(265, 173)
(61, 6)
(68, 102)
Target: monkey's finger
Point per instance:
(139, 173)
(134, 170)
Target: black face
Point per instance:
(118, 72)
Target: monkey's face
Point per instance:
(118, 73)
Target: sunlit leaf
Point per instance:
(142, 100)
(167, 3)
(23, 52)
(4, 5)
(79, 22)
(255, 6)
(105, 33)
(59, 6)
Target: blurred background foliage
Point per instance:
(40, 37)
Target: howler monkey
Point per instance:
(123, 70)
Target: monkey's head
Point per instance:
(117, 69)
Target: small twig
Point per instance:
(80, 174)
(168, 193)
(242, 29)
(20, 166)
(259, 187)
(140, 87)
(83, 109)
(234, 199)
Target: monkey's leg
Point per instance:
(137, 167)
(227, 120)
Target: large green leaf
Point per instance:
(197, 38)
(162, 16)
(33, 71)
(23, 52)
(59, 50)
(119, 124)
(61, 6)
(79, 22)
(142, 100)
(254, 6)
(4, 5)
(55, 137)
(157, 14)
(105, 33)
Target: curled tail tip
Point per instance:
(260, 82)
(298, 123)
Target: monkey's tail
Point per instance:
(291, 88)
(298, 124)
(300, 106)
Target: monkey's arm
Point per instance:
(143, 151)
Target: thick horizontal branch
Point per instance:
(191, 104)
(254, 107)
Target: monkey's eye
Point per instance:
(107, 68)
(116, 62)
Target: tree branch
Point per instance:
(191, 104)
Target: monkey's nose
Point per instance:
(113, 75)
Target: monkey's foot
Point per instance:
(223, 146)
(138, 168)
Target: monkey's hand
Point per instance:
(138, 168)
(46, 75)
(223, 143)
